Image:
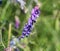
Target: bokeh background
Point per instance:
(45, 35)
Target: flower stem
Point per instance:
(9, 33)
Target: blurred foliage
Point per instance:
(45, 35)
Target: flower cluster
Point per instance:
(28, 26)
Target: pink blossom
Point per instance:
(8, 49)
(17, 22)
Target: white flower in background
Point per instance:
(22, 2)
(22, 5)
(13, 42)
(36, 1)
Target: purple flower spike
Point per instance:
(28, 26)
(17, 22)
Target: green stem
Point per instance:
(1, 39)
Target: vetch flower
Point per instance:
(28, 26)
(17, 22)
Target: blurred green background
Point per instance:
(45, 35)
